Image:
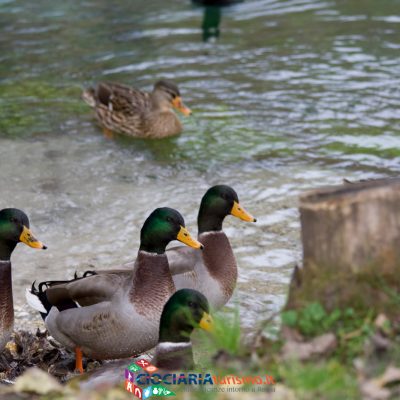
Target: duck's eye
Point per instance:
(169, 219)
(191, 304)
(13, 220)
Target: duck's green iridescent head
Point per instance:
(161, 227)
(186, 310)
(218, 202)
(14, 228)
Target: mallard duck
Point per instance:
(213, 272)
(14, 228)
(130, 111)
(116, 313)
(185, 311)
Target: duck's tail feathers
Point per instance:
(84, 275)
(37, 299)
(89, 97)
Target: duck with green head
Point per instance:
(14, 229)
(214, 271)
(116, 312)
(186, 310)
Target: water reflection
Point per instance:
(212, 16)
(211, 21)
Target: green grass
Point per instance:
(351, 328)
(328, 380)
(226, 335)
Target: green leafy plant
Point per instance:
(227, 332)
(351, 327)
(328, 380)
(311, 320)
(225, 337)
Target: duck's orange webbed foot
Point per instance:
(108, 133)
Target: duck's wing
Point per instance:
(119, 270)
(181, 259)
(122, 99)
(86, 291)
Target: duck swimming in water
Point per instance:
(132, 112)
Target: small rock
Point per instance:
(290, 334)
(320, 346)
(382, 322)
(380, 342)
(390, 376)
(359, 365)
(372, 391)
(34, 380)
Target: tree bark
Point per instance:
(351, 247)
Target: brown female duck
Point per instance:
(14, 228)
(132, 112)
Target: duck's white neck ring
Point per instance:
(149, 254)
(171, 346)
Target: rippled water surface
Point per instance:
(287, 96)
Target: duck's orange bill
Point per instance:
(207, 322)
(178, 105)
(239, 212)
(184, 237)
(30, 240)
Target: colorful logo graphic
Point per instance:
(149, 391)
(152, 383)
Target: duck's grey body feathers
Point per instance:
(112, 303)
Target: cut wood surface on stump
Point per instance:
(351, 247)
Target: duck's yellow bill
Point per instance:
(239, 212)
(178, 105)
(207, 322)
(30, 240)
(184, 237)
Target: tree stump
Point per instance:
(351, 245)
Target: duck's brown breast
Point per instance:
(219, 260)
(6, 303)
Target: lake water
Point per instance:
(287, 96)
